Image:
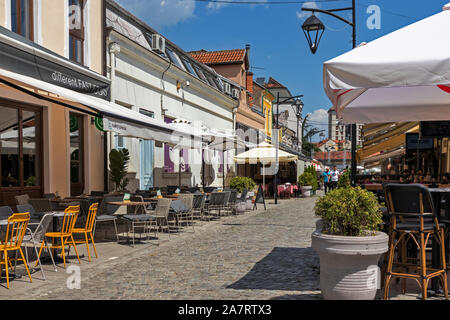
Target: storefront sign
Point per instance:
(435, 128)
(413, 143)
(28, 64)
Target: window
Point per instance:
(174, 58)
(76, 31)
(200, 74)
(119, 142)
(147, 113)
(189, 68)
(219, 84)
(22, 18)
(211, 81)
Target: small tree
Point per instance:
(344, 180)
(241, 183)
(118, 166)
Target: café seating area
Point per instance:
(51, 226)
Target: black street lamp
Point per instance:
(314, 25)
(297, 103)
(298, 109)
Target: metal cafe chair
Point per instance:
(215, 204)
(198, 205)
(106, 213)
(161, 213)
(23, 199)
(413, 218)
(35, 239)
(225, 202)
(87, 230)
(140, 218)
(187, 216)
(15, 232)
(5, 213)
(41, 205)
(65, 235)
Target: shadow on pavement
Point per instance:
(286, 269)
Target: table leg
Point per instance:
(435, 253)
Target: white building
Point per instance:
(339, 131)
(153, 76)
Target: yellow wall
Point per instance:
(2, 13)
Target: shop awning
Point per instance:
(393, 154)
(403, 76)
(116, 118)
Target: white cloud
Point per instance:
(302, 15)
(160, 13)
(319, 119)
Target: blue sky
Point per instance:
(274, 33)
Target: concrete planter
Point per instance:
(349, 265)
(306, 191)
(248, 204)
(241, 207)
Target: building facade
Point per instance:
(152, 75)
(337, 130)
(45, 147)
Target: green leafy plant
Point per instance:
(118, 165)
(344, 180)
(307, 179)
(312, 170)
(349, 212)
(241, 183)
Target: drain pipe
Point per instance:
(114, 48)
(163, 111)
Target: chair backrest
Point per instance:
(163, 207)
(69, 220)
(17, 226)
(39, 233)
(233, 197)
(198, 201)
(24, 208)
(23, 199)
(209, 189)
(5, 213)
(226, 197)
(107, 209)
(216, 198)
(90, 220)
(408, 198)
(188, 200)
(49, 195)
(133, 209)
(41, 205)
(243, 197)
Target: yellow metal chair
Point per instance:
(65, 235)
(17, 226)
(87, 230)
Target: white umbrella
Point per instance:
(403, 76)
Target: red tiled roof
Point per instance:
(334, 155)
(272, 83)
(219, 57)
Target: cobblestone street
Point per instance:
(258, 255)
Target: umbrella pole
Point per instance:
(179, 168)
(224, 164)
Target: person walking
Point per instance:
(326, 179)
(334, 178)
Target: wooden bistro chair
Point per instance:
(87, 230)
(65, 235)
(15, 231)
(413, 222)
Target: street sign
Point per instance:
(260, 198)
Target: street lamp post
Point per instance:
(313, 29)
(298, 104)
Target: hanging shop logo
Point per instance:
(99, 123)
(78, 84)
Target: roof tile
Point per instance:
(219, 57)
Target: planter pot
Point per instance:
(306, 191)
(248, 204)
(241, 207)
(349, 265)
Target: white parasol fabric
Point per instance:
(403, 76)
(264, 153)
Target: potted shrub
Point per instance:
(349, 244)
(306, 181)
(118, 166)
(241, 183)
(315, 184)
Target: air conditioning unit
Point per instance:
(158, 43)
(227, 88)
(235, 93)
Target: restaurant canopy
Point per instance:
(116, 118)
(264, 153)
(403, 76)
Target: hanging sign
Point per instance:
(99, 123)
